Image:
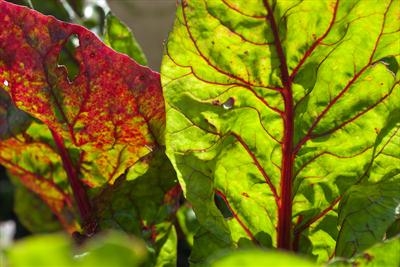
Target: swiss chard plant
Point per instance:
(273, 129)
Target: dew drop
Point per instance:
(5, 82)
(228, 104)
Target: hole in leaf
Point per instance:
(391, 64)
(67, 57)
(228, 104)
(222, 206)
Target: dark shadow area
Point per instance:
(7, 204)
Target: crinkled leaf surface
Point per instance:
(90, 129)
(275, 109)
(366, 214)
(382, 254)
(143, 202)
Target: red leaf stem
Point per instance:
(284, 229)
(82, 200)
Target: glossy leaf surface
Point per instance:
(276, 109)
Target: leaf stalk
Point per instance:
(89, 223)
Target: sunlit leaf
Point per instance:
(95, 118)
(383, 254)
(366, 214)
(275, 109)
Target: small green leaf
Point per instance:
(365, 215)
(142, 203)
(42, 220)
(111, 248)
(384, 254)
(167, 256)
(41, 250)
(251, 258)
(119, 37)
(106, 249)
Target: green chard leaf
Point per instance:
(382, 254)
(118, 36)
(278, 110)
(142, 202)
(82, 127)
(42, 220)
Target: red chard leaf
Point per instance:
(96, 116)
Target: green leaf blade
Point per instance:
(243, 83)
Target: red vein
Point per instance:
(330, 154)
(235, 215)
(308, 135)
(259, 167)
(353, 118)
(285, 204)
(230, 75)
(312, 220)
(81, 197)
(39, 178)
(316, 43)
(238, 34)
(241, 12)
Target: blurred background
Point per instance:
(150, 21)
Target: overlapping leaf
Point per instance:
(278, 108)
(118, 36)
(382, 254)
(102, 124)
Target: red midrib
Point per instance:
(284, 229)
(285, 203)
(89, 223)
